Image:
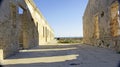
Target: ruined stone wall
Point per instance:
(46, 33)
(28, 29)
(21, 30)
(11, 25)
(102, 10)
(9, 28)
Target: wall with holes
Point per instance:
(46, 34)
(101, 24)
(21, 27)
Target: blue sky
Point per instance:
(64, 16)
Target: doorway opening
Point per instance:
(22, 35)
(115, 24)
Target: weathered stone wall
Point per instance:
(9, 28)
(28, 31)
(46, 34)
(102, 10)
(21, 30)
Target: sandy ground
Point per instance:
(64, 55)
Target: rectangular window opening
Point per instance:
(20, 10)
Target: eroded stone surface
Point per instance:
(103, 31)
(22, 30)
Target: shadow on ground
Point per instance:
(64, 56)
(46, 51)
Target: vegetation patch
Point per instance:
(70, 40)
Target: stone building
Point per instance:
(22, 26)
(101, 23)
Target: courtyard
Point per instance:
(64, 55)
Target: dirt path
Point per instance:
(64, 56)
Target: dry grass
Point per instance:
(70, 40)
